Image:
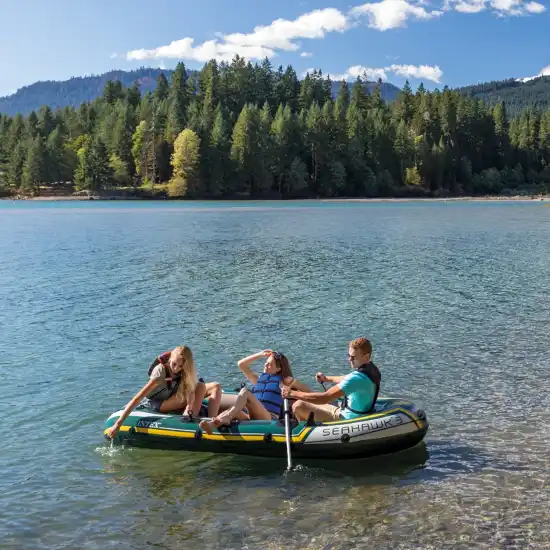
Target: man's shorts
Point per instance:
(335, 412)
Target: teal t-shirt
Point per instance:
(359, 390)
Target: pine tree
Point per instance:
(264, 177)
(218, 159)
(404, 147)
(32, 125)
(179, 98)
(34, 169)
(60, 161)
(544, 137)
(339, 126)
(15, 165)
(123, 131)
(405, 104)
(112, 91)
(162, 89)
(245, 148)
(133, 95)
(501, 132)
(282, 130)
(93, 171)
(46, 122)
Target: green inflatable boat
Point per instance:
(394, 425)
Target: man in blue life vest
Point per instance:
(359, 389)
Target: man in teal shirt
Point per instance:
(359, 389)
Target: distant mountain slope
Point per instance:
(73, 92)
(516, 94)
(78, 90)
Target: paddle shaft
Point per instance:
(287, 434)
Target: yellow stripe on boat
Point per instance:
(214, 437)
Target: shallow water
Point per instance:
(455, 298)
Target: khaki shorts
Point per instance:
(333, 411)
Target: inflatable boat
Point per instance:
(394, 425)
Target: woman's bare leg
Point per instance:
(200, 393)
(214, 393)
(228, 400)
(245, 399)
(177, 403)
(173, 403)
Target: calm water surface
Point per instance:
(454, 296)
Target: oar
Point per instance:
(287, 432)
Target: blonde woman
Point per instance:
(173, 385)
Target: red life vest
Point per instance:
(163, 360)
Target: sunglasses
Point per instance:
(277, 355)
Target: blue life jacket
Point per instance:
(268, 392)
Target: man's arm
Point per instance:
(320, 377)
(314, 397)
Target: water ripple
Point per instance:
(454, 297)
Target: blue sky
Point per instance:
(439, 42)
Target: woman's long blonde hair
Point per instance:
(188, 373)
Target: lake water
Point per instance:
(454, 296)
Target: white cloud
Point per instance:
(511, 7)
(427, 72)
(423, 72)
(500, 7)
(263, 42)
(543, 72)
(306, 54)
(473, 6)
(212, 49)
(281, 33)
(285, 35)
(390, 14)
(535, 7)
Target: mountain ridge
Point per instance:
(517, 94)
(74, 91)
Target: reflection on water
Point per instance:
(226, 496)
(425, 497)
(454, 297)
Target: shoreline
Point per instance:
(487, 198)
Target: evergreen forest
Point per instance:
(237, 130)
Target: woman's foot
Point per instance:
(209, 425)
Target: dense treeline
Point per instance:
(516, 94)
(242, 130)
(82, 89)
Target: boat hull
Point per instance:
(395, 425)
